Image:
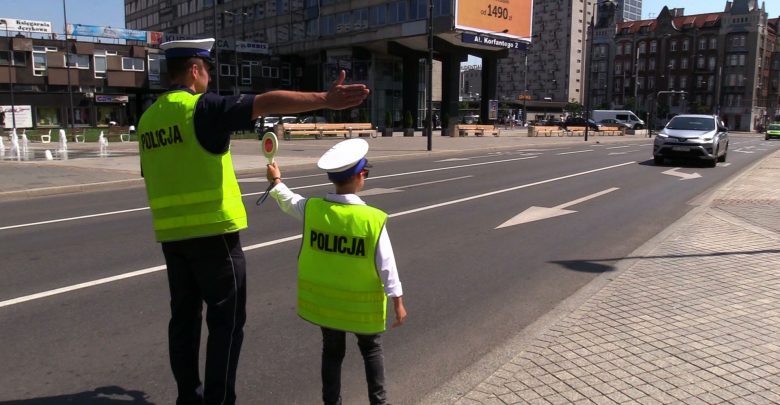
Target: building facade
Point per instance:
(107, 84)
(552, 69)
(382, 43)
(717, 62)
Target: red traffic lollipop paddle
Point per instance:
(269, 144)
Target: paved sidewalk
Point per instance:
(85, 170)
(692, 317)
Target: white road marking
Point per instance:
(619, 147)
(379, 190)
(261, 192)
(148, 270)
(102, 214)
(534, 213)
(681, 175)
(624, 152)
(576, 151)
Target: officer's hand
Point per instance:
(400, 312)
(271, 171)
(341, 96)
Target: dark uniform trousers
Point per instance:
(333, 350)
(210, 269)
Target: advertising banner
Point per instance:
(105, 32)
(14, 24)
(23, 115)
(495, 16)
(154, 38)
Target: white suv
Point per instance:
(692, 136)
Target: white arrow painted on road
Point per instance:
(743, 151)
(538, 213)
(681, 175)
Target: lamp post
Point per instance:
(429, 89)
(587, 84)
(10, 79)
(67, 60)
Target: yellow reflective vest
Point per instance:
(338, 283)
(192, 192)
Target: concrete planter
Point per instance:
(408, 131)
(387, 132)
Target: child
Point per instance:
(346, 267)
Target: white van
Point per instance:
(621, 115)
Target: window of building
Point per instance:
(651, 64)
(672, 63)
(40, 64)
(155, 62)
(618, 50)
(270, 72)
(741, 60)
(47, 116)
(713, 43)
(702, 43)
(246, 75)
(227, 70)
(683, 82)
(133, 64)
(641, 47)
(627, 49)
(618, 68)
(77, 61)
(101, 64)
(711, 63)
(653, 46)
(284, 74)
(684, 63)
(685, 45)
(673, 46)
(651, 83)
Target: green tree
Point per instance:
(388, 119)
(574, 108)
(408, 120)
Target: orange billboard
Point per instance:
(511, 18)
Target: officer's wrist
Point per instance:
(276, 180)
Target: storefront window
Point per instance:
(81, 116)
(47, 116)
(106, 114)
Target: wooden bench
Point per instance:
(348, 130)
(289, 130)
(476, 130)
(612, 130)
(546, 130)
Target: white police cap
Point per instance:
(344, 156)
(188, 48)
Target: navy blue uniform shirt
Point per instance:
(217, 116)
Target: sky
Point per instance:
(89, 12)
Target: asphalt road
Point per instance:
(469, 282)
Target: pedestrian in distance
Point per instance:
(197, 209)
(346, 267)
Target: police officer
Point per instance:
(346, 267)
(197, 210)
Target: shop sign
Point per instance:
(252, 47)
(13, 24)
(22, 114)
(105, 32)
(110, 98)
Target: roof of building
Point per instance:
(679, 23)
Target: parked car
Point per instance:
(772, 131)
(265, 124)
(471, 119)
(611, 122)
(581, 122)
(313, 119)
(692, 136)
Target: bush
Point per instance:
(388, 119)
(408, 120)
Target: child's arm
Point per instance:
(290, 203)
